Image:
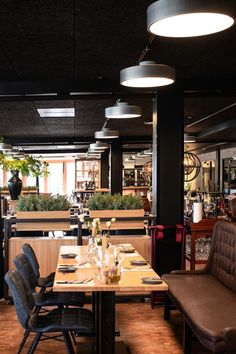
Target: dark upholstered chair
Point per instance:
(63, 320)
(42, 282)
(51, 298)
(44, 299)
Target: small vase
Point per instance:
(15, 185)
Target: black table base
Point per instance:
(104, 318)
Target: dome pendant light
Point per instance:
(5, 147)
(122, 110)
(99, 145)
(106, 133)
(147, 74)
(185, 18)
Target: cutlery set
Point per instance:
(73, 265)
(136, 268)
(83, 281)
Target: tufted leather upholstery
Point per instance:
(207, 297)
(222, 259)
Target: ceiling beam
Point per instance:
(54, 88)
(217, 128)
(70, 140)
(107, 88)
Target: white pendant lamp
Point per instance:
(13, 152)
(94, 152)
(106, 133)
(147, 74)
(5, 147)
(189, 138)
(190, 18)
(99, 145)
(122, 110)
(148, 152)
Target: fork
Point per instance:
(84, 281)
(82, 263)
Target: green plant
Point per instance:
(100, 201)
(24, 188)
(42, 203)
(29, 188)
(4, 188)
(26, 166)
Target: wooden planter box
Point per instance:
(41, 224)
(134, 224)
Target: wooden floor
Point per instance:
(142, 328)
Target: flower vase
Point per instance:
(15, 185)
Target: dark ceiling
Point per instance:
(76, 49)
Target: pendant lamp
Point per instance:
(189, 138)
(148, 152)
(192, 166)
(13, 152)
(99, 145)
(5, 147)
(122, 110)
(141, 155)
(106, 133)
(147, 74)
(190, 18)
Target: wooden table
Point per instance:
(104, 294)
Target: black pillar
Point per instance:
(219, 181)
(105, 169)
(116, 165)
(1, 248)
(168, 185)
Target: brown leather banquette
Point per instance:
(207, 298)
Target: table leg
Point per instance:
(105, 338)
(103, 304)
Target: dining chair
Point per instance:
(45, 299)
(50, 298)
(42, 282)
(58, 320)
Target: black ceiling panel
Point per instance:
(63, 46)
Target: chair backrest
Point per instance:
(22, 296)
(232, 205)
(221, 262)
(29, 252)
(25, 268)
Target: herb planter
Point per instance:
(40, 220)
(122, 224)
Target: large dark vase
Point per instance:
(15, 185)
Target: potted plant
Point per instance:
(43, 207)
(26, 166)
(117, 206)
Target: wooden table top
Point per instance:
(131, 278)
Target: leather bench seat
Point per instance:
(207, 297)
(207, 305)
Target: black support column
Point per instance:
(105, 169)
(168, 152)
(116, 166)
